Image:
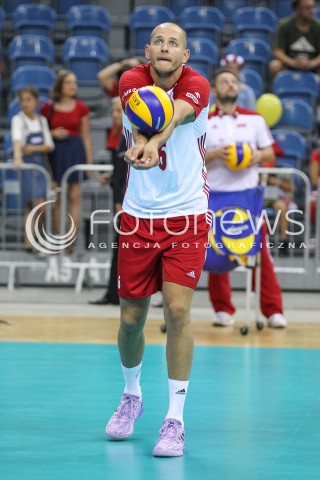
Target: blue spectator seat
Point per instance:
(255, 22)
(317, 13)
(14, 106)
(33, 75)
(88, 20)
(283, 8)
(9, 6)
(30, 50)
(85, 56)
(177, 6)
(296, 84)
(142, 22)
(198, 69)
(253, 79)
(63, 6)
(203, 55)
(229, 7)
(205, 22)
(256, 52)
(34, 19)
(297, 115)
(2, 18)
(293, 145)
(7, 145)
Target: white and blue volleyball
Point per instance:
(240, 155)
(149, 109)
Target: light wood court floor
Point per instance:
(104, 331)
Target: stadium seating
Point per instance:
(283, 8)
(14, 106)
(205, 22)
(7, 145)
(253, 79)
(88, 20)
(30, 49)
(256, 52)
(297, 115)
(2, 18)
(34, 19)
(85, 56)
(38, 76)
(63, 6)
(203, 55)
(177, 6)
(293, 145)
(255, 22)
(142, 22)
(296, 84)
(229, 7)
(10, 5)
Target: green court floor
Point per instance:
(251, 414)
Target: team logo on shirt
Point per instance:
(194, 96)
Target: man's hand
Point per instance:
(143, 157)
(256, 157)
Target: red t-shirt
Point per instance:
(315, 156)
(71, 121)
(114, 90)
(140, 76)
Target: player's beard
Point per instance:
(228, 99)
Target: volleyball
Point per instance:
(232, 232)
(149, 109)
(240, 155)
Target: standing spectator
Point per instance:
(32, 142)
(109, 76)
(116, 144)
(314, 172)
(230, 123)
(297, 44)
(246, 97)
(68, 119)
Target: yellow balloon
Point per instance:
(270, 107)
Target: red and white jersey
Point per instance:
(244, 126)
(178, 185)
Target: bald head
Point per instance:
(175, 29)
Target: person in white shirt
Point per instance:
(32, 141)
(230, 123)
(167, 200)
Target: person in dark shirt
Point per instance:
(117, 145)
(297, 45)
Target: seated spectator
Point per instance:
(297, 44)
(32, 142)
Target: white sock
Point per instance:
(177, 395)
(132, 379)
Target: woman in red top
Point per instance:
(68, 119)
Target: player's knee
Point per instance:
(177, 316)
(131, 324)
(275, 67)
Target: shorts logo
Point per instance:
(119, 281)
(191, 274)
